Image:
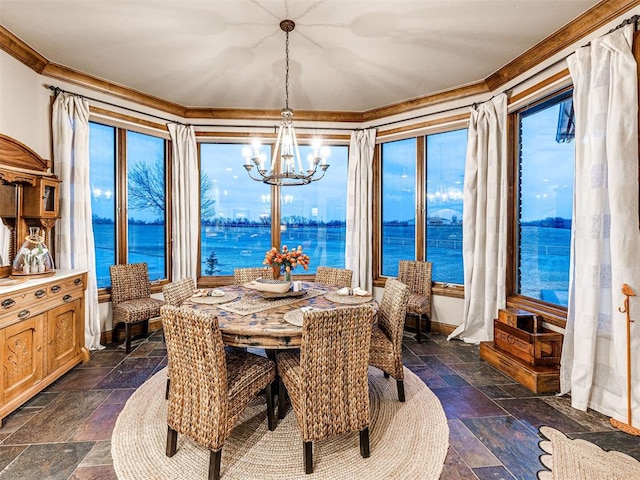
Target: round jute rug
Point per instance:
(408, 440)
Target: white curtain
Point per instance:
(185, 202)
(484, 223)
(74, 245)
(359, 241)
(605, 243)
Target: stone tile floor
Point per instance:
(65, 431)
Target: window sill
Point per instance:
(104, 294)
(552, 314)
(439, 289)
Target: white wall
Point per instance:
(24, 106)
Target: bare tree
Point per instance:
(147, 190)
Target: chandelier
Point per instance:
(286, 167)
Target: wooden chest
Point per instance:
(521, 319)
(542, 347)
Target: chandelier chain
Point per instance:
(286, 82)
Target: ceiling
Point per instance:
(345, 55)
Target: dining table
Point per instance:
(251, 318)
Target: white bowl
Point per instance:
(272, 286)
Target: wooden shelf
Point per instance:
(538, 378)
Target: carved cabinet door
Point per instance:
(63, 343)
(22, 357)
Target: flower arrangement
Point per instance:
(286, 260)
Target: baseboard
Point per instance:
(154, 324)
(436, 327)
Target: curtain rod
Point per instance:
(60, 90)
(629, 21)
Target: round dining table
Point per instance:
(249, 318)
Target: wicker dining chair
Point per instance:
(339, 277)
(245, 275)
(386, 337)
(327, 379)
(178, 291)
(211, 386)
(174, 294)
(131, 299)
(417, 275)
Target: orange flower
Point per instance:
(286, 258)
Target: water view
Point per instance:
(544, 254)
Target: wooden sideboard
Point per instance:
(41, 334)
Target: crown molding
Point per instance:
(594, 18)
(426, 101)
(21, 51)
(248, 114)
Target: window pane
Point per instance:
(398, 204)
(235, 212)
(314, 215)
(102, 154)
(146, 192)
(546, 193)
(446, 154)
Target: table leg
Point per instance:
(271, 355)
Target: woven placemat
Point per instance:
(408, 440)
(294, 317)
(249, 304)
(228, 296)
(347, 299)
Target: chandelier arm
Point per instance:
(324, 170)
(257, 179)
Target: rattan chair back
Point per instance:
(245, 275)
(178, 291)
(417, 275)
(338, 277)
(129, 282)
(334, 358)
(198, 400)
(392, 312)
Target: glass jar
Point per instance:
(33, 258)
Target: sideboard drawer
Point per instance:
(23, 304)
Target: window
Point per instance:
(142, 233)
(446, 155)
(398, 204)
(439, 230)
(545, 193)
(236, 213)
(314, 216)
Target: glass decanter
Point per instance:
(34, 257)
